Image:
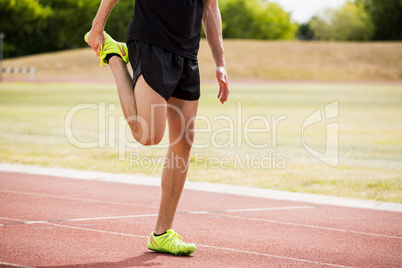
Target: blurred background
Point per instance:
(35, 26)
(331, 27)
(285, 58)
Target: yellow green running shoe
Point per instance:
(111, 46)
(170, 242)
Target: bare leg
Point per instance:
(147, 117)
(147, 120)
(175, 170)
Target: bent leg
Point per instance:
(180, 115)
(143, 108)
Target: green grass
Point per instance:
(32, 131)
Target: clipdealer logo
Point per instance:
(325, 116)
(234, 133)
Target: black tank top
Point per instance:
(174, 25)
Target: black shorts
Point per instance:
(169, 74)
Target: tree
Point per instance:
(305, 32)
(70, 21)
(273, 22)
(23, 22)
(73, 18)
(387, 18)
(349, 23)
(254, 19)
(119, 20)
(34, 26)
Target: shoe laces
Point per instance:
(178, 237)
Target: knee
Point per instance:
(147, 138)
(189, 139)
(185, 142)
(148, 141)
(145, 135)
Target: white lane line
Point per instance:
(17, 222)
(125, 204)
(265, 209)
(76, 198)
(247, 210)
(149, 215)
(96, 230)
(34, 222)
(197, 212)
(308, 226)
(273, 256)
(115, 217)
(11, 219)
(207, 246)
(14, 265)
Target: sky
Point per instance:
(303, 10)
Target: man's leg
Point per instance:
(181, 135)
(143, 108)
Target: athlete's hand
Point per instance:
(96, 40)
(223, 84)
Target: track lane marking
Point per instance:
(202, 245)
(307, 226)
(125, 204)
(218, 213)
(273, 256)
(208, 246)
(145, 215)
(15, 265)
(246, 210)
(77, 199)
(210, 213)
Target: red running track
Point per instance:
(58, 222)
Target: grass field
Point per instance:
(34, 119)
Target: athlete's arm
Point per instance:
(96, 37)
(213, 30)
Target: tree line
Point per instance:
(357, 20)
(35, 26)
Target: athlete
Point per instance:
(162, 46)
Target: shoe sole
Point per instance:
(177, 253)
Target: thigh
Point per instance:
(181, 115)
(151, 110)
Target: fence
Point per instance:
(23, 70)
